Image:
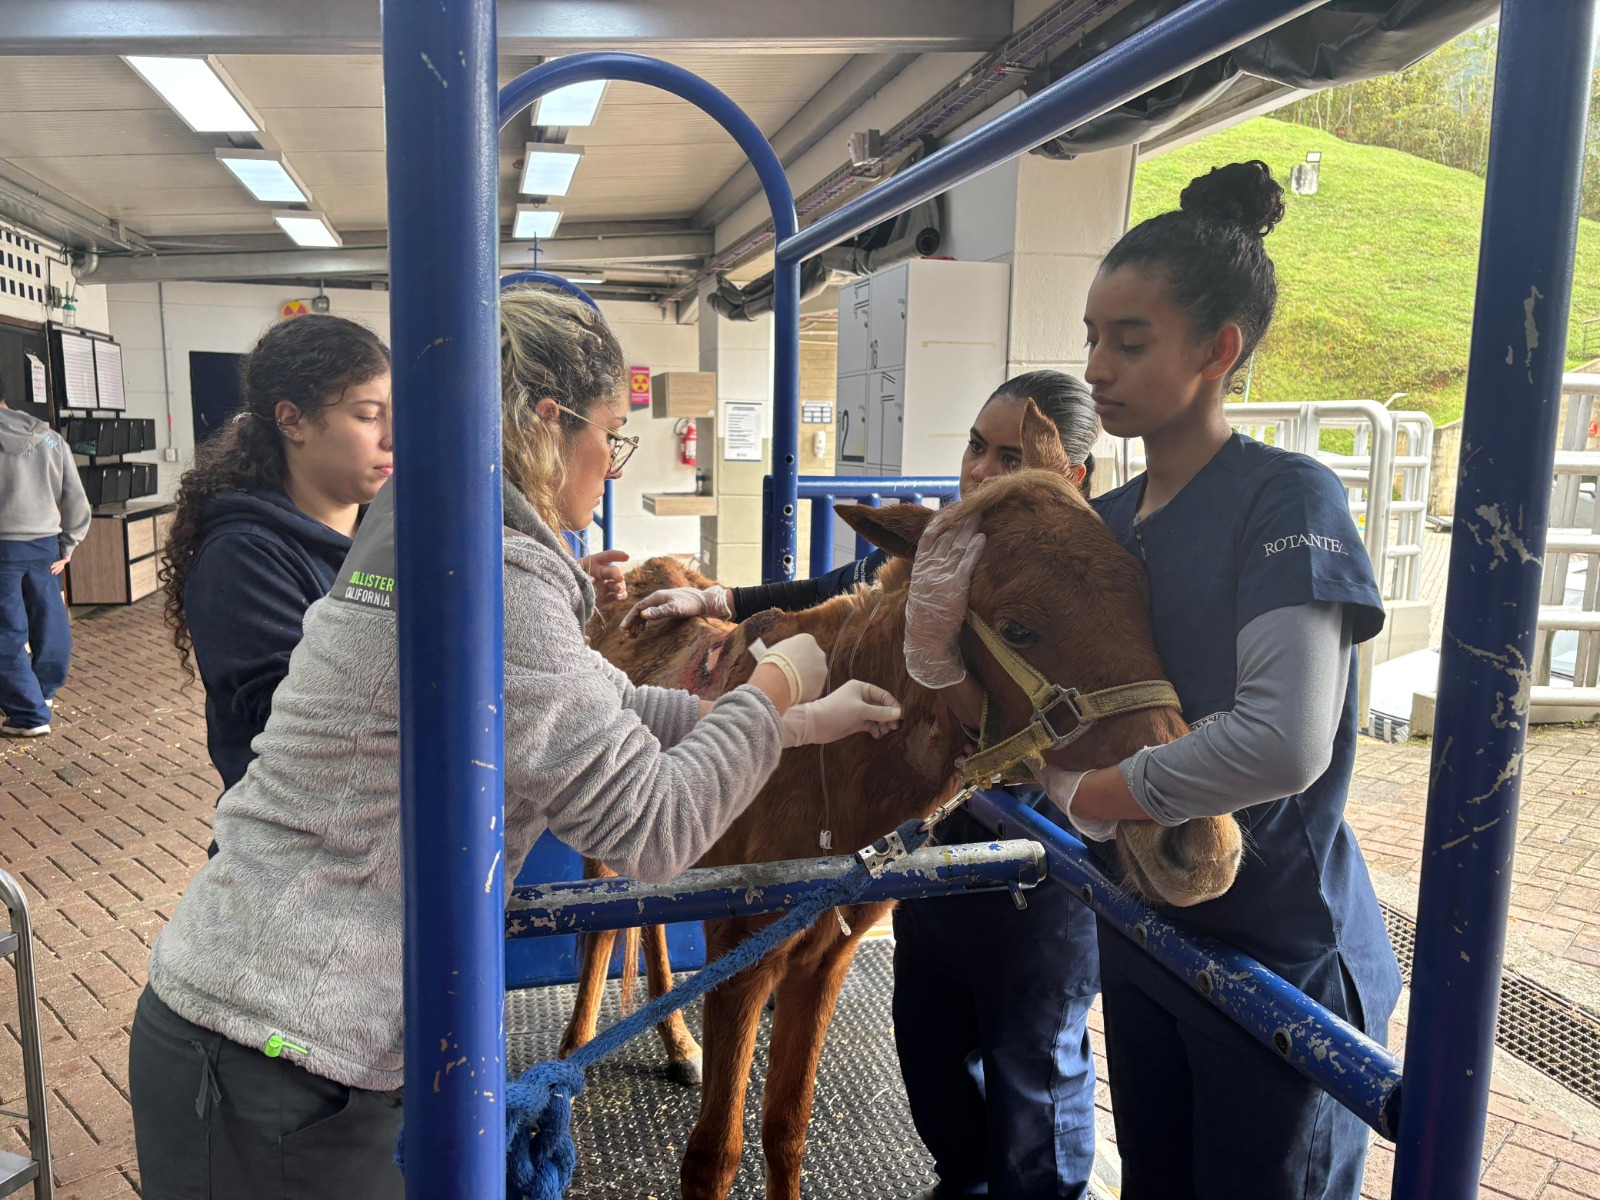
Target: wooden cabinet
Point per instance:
(119, 560)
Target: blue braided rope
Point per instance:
(540, 1155)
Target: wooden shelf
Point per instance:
(679, 504)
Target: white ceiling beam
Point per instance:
(526, 26)
(315, 264)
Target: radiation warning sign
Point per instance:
(639, 387)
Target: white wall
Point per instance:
(229, 317)
(226, 318)
(650, 339)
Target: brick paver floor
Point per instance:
(106, 820)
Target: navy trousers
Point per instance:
(1203, 1110)
(990, 1012)
(35, 638)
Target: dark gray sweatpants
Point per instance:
(215, 1120)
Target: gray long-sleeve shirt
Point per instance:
(294, 928)
(1293, 666)
(40, 493)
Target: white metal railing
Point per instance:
(1574, 534)
(1375, 429)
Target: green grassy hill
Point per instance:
(1375, 272)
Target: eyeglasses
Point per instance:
(622, 448)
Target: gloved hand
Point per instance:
(853, 707)
(802, 662)
(606, 576)
(1061, 786)
(941, 577)
(672, 604)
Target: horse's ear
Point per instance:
(896, 528)
(1041, 444)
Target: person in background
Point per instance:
(44, 514)
(266, 513)
(990, 1004)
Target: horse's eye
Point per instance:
(1017, 635)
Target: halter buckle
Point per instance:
(1072, 698)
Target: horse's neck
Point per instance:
(862, 788)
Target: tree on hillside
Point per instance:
(1437, 109)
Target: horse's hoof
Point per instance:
(686, 1071)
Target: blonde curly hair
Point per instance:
(555, 345)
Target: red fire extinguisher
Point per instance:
(688, 442)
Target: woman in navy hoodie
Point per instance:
(266, 514)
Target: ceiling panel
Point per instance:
(93, 129)
(307, 81)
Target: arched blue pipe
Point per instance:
(778, 538)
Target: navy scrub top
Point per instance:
(1259, 529)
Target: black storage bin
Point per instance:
(121, 436)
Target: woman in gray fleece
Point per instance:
(266, 1049)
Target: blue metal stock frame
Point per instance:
(824, 490)
(1508, 439)
(714, 893)
(1337, 1057)
(439, 64)
(444, 226)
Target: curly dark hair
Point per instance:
(1210, 251)
(311, 362)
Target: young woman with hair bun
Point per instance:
(1260, 592)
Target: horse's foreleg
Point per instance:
(595, 965)
(683, 1052)
(806, 999)
(732, 1017)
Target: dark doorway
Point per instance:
(23, 352)
(214, 391)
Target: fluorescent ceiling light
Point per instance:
(573, 279)
(265, 174)
(196, 92)
(534, 222)
(548, 168)
(307, 228)
(574, 104)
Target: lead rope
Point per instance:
(825, 838)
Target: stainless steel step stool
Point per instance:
(16, 944)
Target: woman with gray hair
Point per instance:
(266, 1049)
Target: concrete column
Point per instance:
(740, 354)
(1052, 222)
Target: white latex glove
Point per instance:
(606, 576)
(802, 662)
(941, 577)
(673, 604)
(1061, 786)
(854, 707)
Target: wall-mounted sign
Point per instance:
(742, 432)
(295, 308)
(816, 414)
(639, 387)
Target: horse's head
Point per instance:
(1065, 597)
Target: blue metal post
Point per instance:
(778, 539)
(1508, 443)
(444, 229)
(608, 517)
(1194, 34)
(821, 535)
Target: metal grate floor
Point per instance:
(1556, 1036)
(631, 1121)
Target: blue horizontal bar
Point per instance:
(1337, 1057)
(1194, 34)
(851, 486)
(714, 893)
